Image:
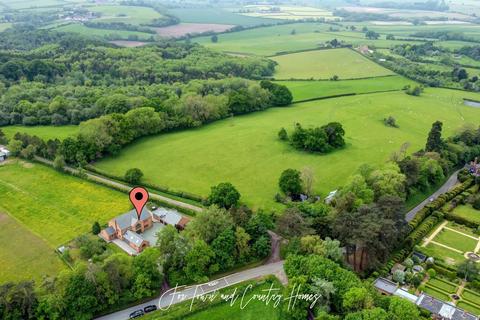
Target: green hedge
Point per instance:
(164, 189)
(438, 203)
(421, 231)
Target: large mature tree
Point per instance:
(224, 247)
(198, 262)
(133, 175)
(224, 195)
(209, 224)
(291, 183)
(371, 232)
(434, 140)
(292, 224)
(401, 309)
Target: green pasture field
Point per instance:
(467, 212)
(303, 90)
(101, 33)
(456, 240)
(246, 306)
(220, 16)
(246, 151)
(55, 206)
(24, 256)
(126, 14)
(269, 41)
(324, 64)
(287, 12)
(44, 132)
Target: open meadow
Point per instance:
(24, 255)
(44, 132)
(102, 33)
(324, 64)
(268, 41)
(246, 151)
(218, 16)
(126, 14)
(54, 206)
(304, 90)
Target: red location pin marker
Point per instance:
(139, 197)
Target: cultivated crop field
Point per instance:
(181, 29)
(55, 206)
(324, 64)
(303, 90)
(246, 151)
(24, 255)
(287, 12)
(44, 132)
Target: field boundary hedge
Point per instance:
(339, 80)
(345, 95)
(177, 193)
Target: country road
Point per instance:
(186, 293)
(115, 184)
(447, 186)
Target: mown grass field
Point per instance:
(246, 151)
(54, 206)
(101, 33)
(44, 132)
(467, 212)
(24, 256)
(324, 64)
(303, 90)
(4, 26)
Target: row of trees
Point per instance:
(342, 295)
(320, 139)
(208, 101)
(85, 291)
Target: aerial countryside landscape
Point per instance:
(240, 159)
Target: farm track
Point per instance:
(109, 182)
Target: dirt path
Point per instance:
(121, 186)
(275, 251)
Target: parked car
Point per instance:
(136, 314)
(150, 308)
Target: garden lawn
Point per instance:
(303, 90)
(324, 64)
(24, 256)
(471, 296)
(439, 294)
(455, 240)
(245, 150)
(475, 309)
(56, 207)
(446, 255)
(44, 132)
(467, 212)
(443, 285)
